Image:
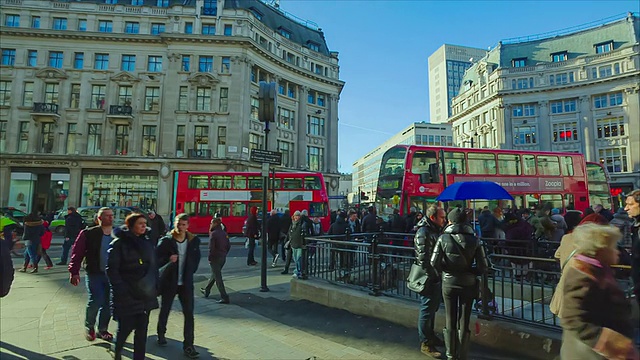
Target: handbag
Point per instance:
(556, 300)
(418, 278)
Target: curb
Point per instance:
(534, 343)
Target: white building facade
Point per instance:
(581, 93)
(100, 103)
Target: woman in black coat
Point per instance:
(133, 275)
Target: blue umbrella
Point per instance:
(474, 190)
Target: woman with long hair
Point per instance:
(596, 319)
(133, 275)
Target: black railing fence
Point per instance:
(518, 287)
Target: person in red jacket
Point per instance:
(45, 240)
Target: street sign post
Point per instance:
(266, 156)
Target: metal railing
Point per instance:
(518, 287)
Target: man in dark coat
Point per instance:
(157, 225)
(632, 207)
(179, 251)
(6, 266)
(429, 229)
(369, 223)
(273, 233)
(73, 224)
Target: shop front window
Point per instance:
(112, 190)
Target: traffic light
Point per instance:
(363, 196)
(267, 102)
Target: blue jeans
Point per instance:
(31, 255)
(429, 303)
(297, 257)
(98, 304)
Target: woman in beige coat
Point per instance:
(596, 316)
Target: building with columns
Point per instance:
(102, 101)
(574, 91)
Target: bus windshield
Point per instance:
(390, 180)
(598, 184)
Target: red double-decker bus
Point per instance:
(202, 194)
(413, 176)
(599, 188)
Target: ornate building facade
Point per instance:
(576, 92)
(102, 101)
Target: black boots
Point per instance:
(451, 342)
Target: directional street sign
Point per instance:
(266, 156)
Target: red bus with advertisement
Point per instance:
(202, 194)
(413, 176)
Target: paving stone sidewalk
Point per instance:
(43, 316)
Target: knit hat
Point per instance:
(297, 213)
(253, 210)
(555, 211)
(457, 216)
(304, 212)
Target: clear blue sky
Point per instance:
(384, 47)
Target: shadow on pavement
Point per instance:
(20, 351)
(173, 349)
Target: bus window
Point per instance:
(198, 182)
(548, 165)
(532, 200)
(312, 183)
(422, 160)
(569, 202)
(529, 162)
(203, 209)
(567, 166)
(292, 183)
(393, 161)
(218, 207)
(190, 208)
(255, 182)
(509, 164)
(239, 182)
(421, 203)
(554, 199)
(481, 163)
(455, 163)
(220, 182)
(317, 209)
(238, 209)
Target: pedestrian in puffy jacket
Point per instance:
(133, 274)
(459, 259)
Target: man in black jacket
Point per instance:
(179, 254)
(73, 224)
(429, 229)
(369, 224)
(632, 207)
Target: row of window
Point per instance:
(560, 56)
(203, 101)
(127, 61)
(122, 135)
(568, 131)
(106, 26)
(436, 140)
(286, 88)
(568, 105)
(244, 182)
(596, 72)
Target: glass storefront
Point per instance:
(39, 192)
(120, 190)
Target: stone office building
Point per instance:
(102, 101)
(576, 91)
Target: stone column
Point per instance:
(5, 185)
(331, 160)
(585, 118)
(544, 127)
(504, 118)
(75, 186)
(301, 128)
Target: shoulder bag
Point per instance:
(417, 279)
